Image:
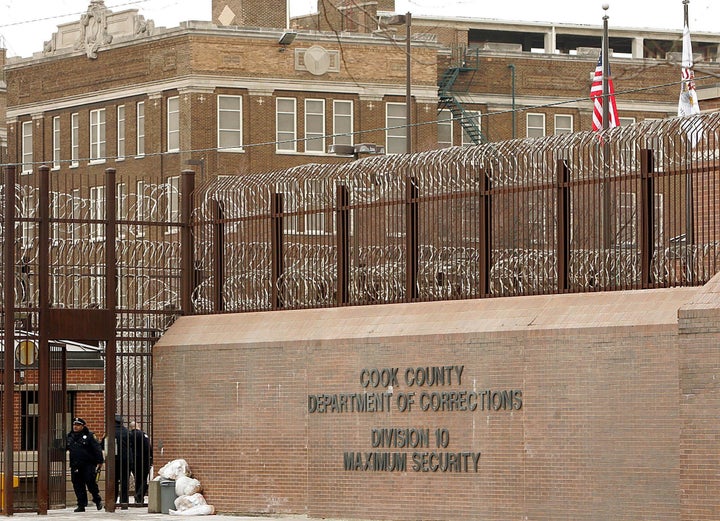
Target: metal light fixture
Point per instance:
(406, 20)
(287, 38)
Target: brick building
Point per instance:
(244, 94)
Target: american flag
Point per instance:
(596, 95)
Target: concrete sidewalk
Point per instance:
(142, 514)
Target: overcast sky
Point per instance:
(26, 24)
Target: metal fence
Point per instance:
(633, 207)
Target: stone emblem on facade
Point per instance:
(317, 60)
(93, 29)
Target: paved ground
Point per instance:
(142, 515)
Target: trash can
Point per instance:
(167, 496)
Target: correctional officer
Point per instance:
(86, 458)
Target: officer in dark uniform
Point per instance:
(86, 458)
(123, 457)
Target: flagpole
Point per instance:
(606, 230)
(689, 199)
(606, 69)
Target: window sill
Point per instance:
(296, 153)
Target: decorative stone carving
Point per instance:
(317, 60)
(93, 29)
(97, 27)
(144, 27)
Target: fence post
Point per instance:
(186, 246)
(563, 227)
(9, 356)
(485, 233)
(43, 485)
(342, 213)
(276, 212)
(647, 216)
(411, 239)
(111, 347)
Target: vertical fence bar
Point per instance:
(276, 212)
(689, 219)
(8, 359)
(111, 346)
(485, 234)
(186, 247)
(218, 260)
(411, 239)
(647, 216)
(43, 480)
(563, 224)
(342, 212)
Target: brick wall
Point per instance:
(596, 436)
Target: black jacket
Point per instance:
(141, 449)
(84, 449)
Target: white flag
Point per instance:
(688, 104)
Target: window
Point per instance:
(97, 135)
(27, 147)
(315, 125)
(445, 129)
(121, 132)
(286, 124)
(56, 142)
(173, 124)
(97, 212)
(473, 118)
(396, 124)
(563, 124)
(229, 122)
(140, 124)
(535, 125)
(343, 122)
(624, 122)
(173, 201)
(74, 139)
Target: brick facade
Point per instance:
(253, 13)
(200, 61)
(616, 420)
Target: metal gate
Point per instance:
(62, 237)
